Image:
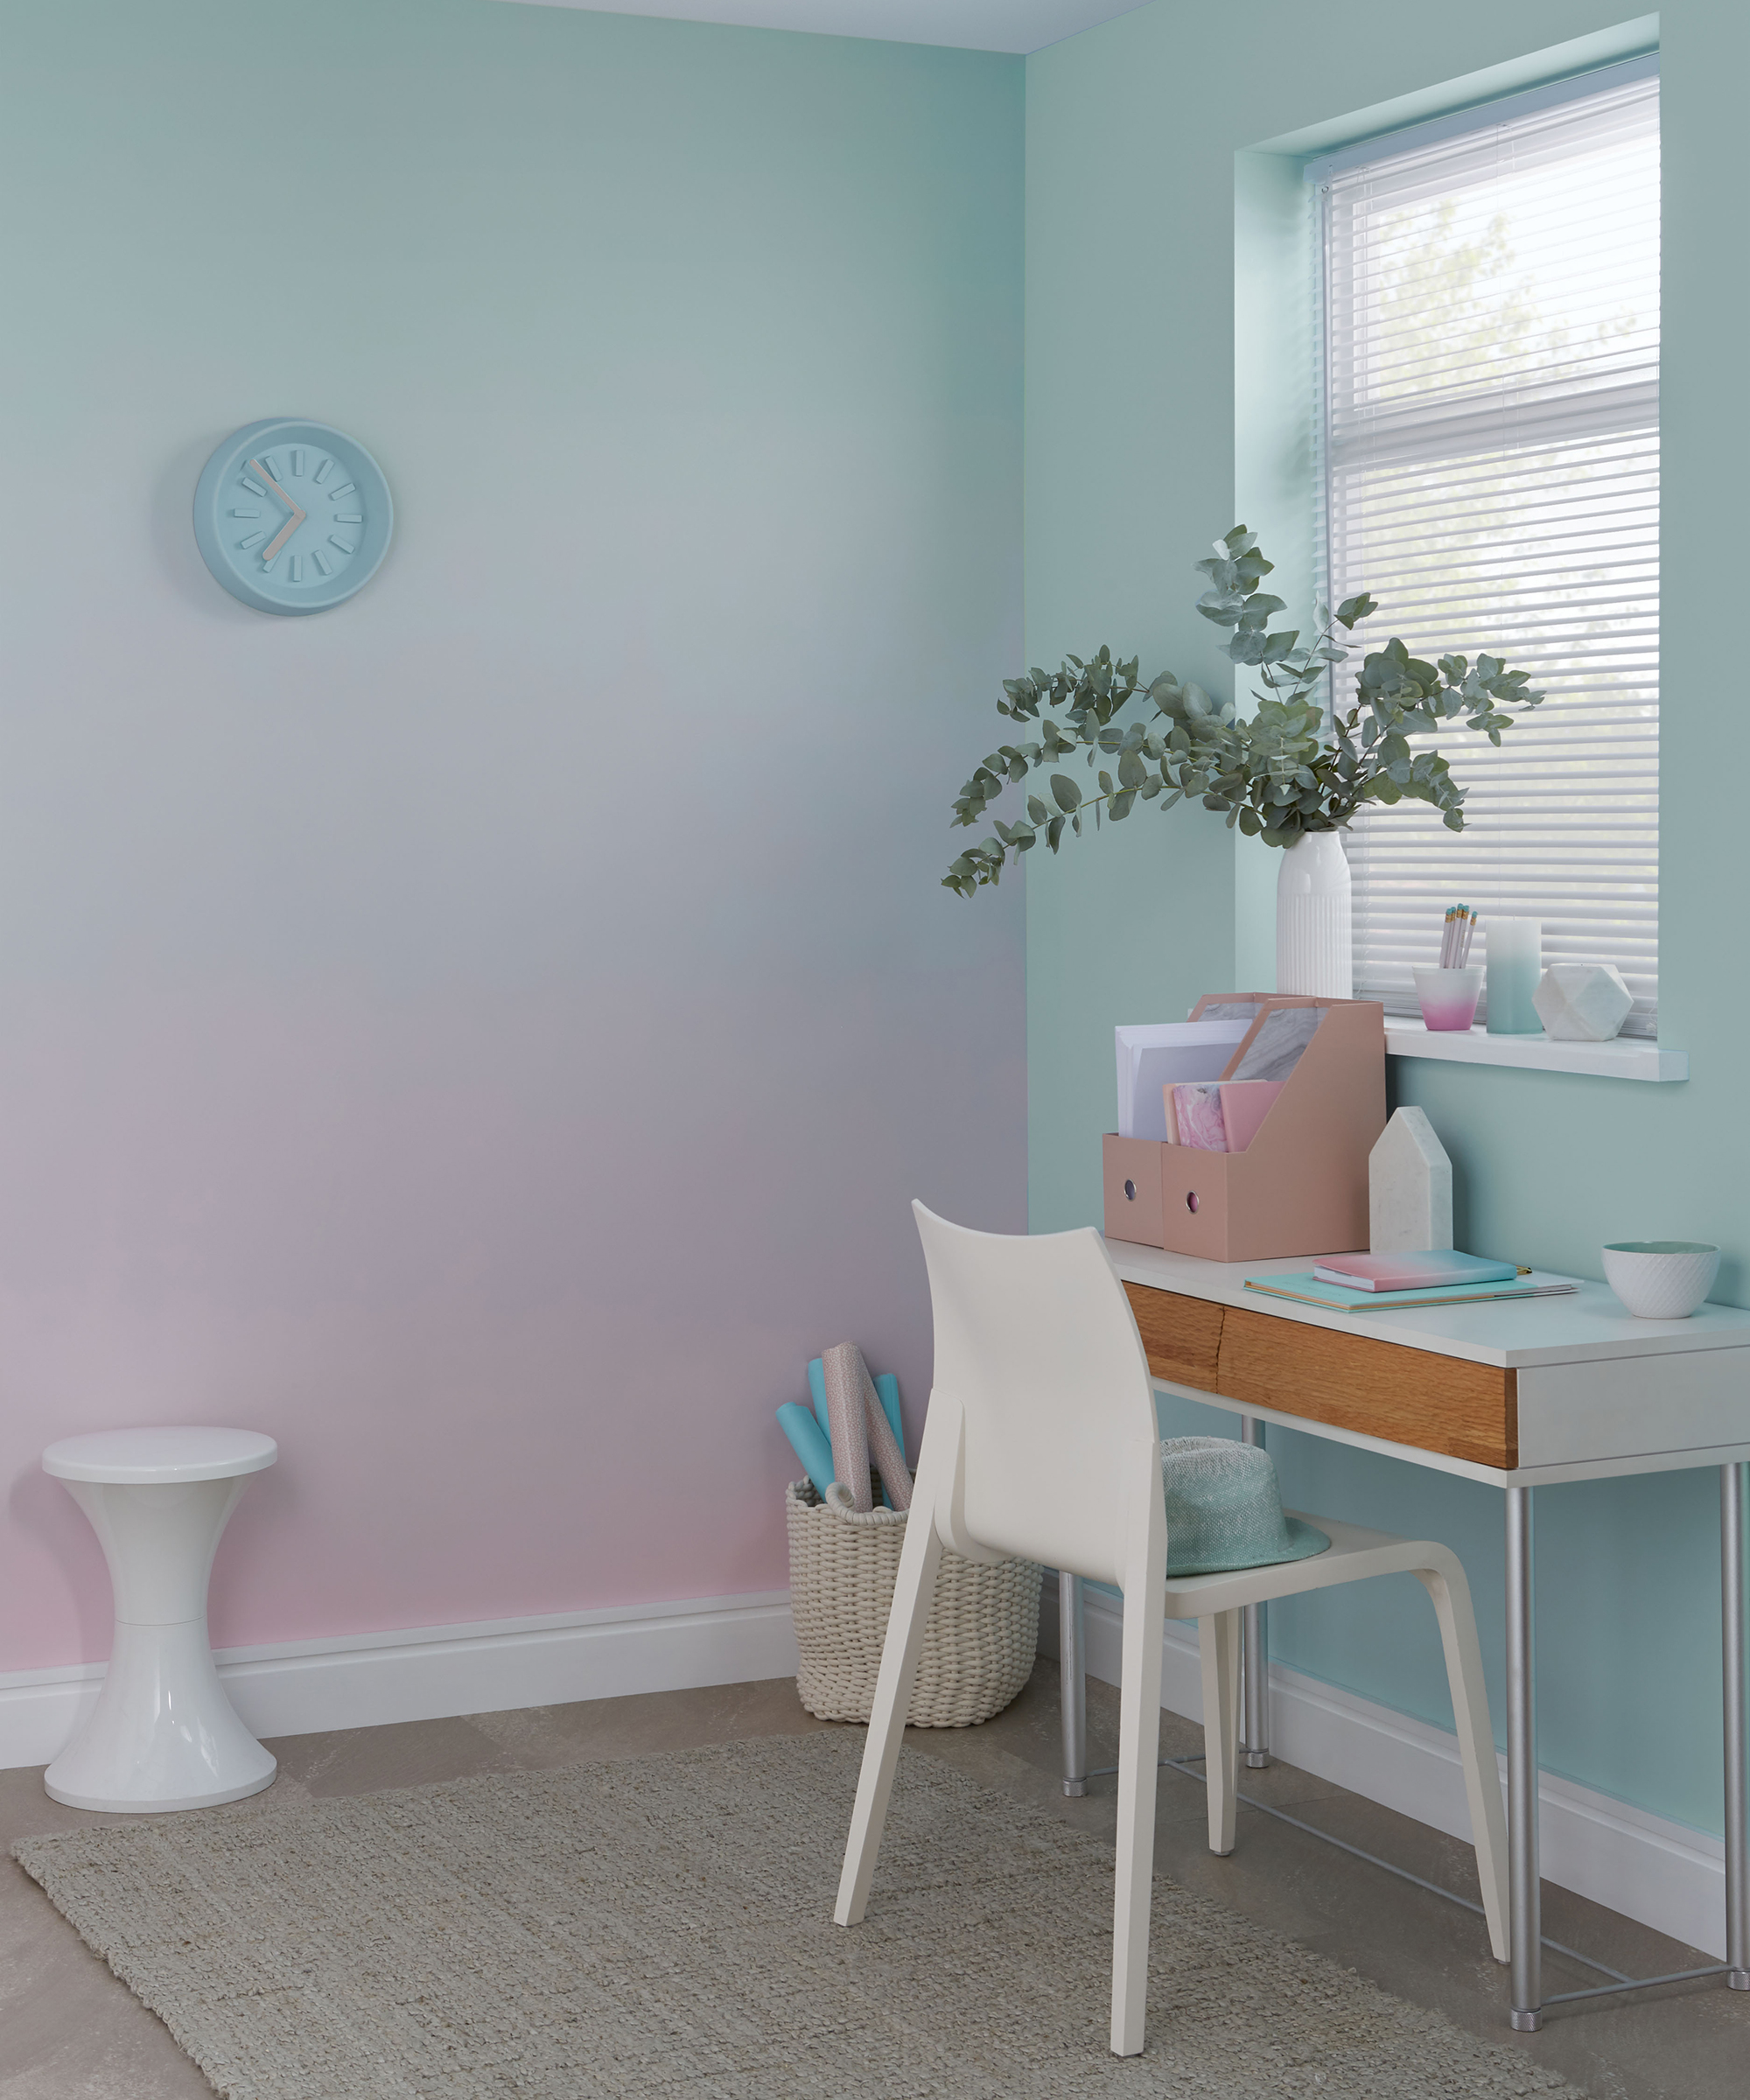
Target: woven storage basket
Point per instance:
(979, 1646)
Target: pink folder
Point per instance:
(1245, 1102)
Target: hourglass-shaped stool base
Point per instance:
(164, 1735)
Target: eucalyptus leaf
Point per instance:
(1287, 770)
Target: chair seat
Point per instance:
(1351, 1549)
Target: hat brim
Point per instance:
(1303, 1541)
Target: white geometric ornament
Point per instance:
(1409, 1189)
(1582, 1002)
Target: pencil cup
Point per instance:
(1449, 997)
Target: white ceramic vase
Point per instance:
(1314, 954)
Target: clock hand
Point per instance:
(292, 522)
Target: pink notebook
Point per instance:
(1194, 1115)
(1428, 1272)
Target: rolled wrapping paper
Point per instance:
(883, 1445)
(887, 1391)
(888, 1387)
(840, 1368)
(809, 1444)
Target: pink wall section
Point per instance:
(487, 1035)
(519, 1338)
(517, 1334)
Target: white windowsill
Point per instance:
(1627, 1057)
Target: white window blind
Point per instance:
(1490, 365)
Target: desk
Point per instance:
(1518, 1395)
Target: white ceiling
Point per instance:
(970, 24)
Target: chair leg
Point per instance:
(1218, 1647)
(913, 1588)
(1450, 1595)
(1138, 1751)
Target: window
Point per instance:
(1490, 457)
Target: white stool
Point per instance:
(164, 1735)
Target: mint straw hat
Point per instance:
(1224, 1508)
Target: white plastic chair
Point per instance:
(1042, 1441)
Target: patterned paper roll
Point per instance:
(883, 1445)
(887, 1389)
(842, 1372)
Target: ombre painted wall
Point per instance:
(487, 1035)
(1159, 149)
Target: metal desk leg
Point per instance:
(1072, 1676)
(1731, 1557)
(1525, 1901)
(1254, 1661)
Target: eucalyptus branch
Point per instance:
(1286, 771)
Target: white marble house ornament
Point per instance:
(1410, 1188)
(1582, 1002)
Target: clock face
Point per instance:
(292, 516)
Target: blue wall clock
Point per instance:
(292, 516)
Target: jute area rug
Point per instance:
(663, 1928)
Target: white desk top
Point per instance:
(1513, 1333)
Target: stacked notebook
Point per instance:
(1377, 1283)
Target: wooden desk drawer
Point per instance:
(1182, 1336)
(1378, 1389)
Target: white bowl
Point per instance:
(1661, 1280)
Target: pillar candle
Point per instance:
(1513, 949)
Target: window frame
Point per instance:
(1565, 407)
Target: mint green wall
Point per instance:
(1136, 455)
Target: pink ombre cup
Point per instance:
(1449, 997)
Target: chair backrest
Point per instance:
(1036, 1341)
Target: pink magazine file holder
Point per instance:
(1300, 1188)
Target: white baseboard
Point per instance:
(1660, 1872)
(426, 1673)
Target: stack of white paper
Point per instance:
(1162, 1054)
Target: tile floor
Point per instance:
(68, 2031)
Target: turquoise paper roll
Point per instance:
(808, 1443)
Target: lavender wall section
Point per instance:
(487, 1035)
